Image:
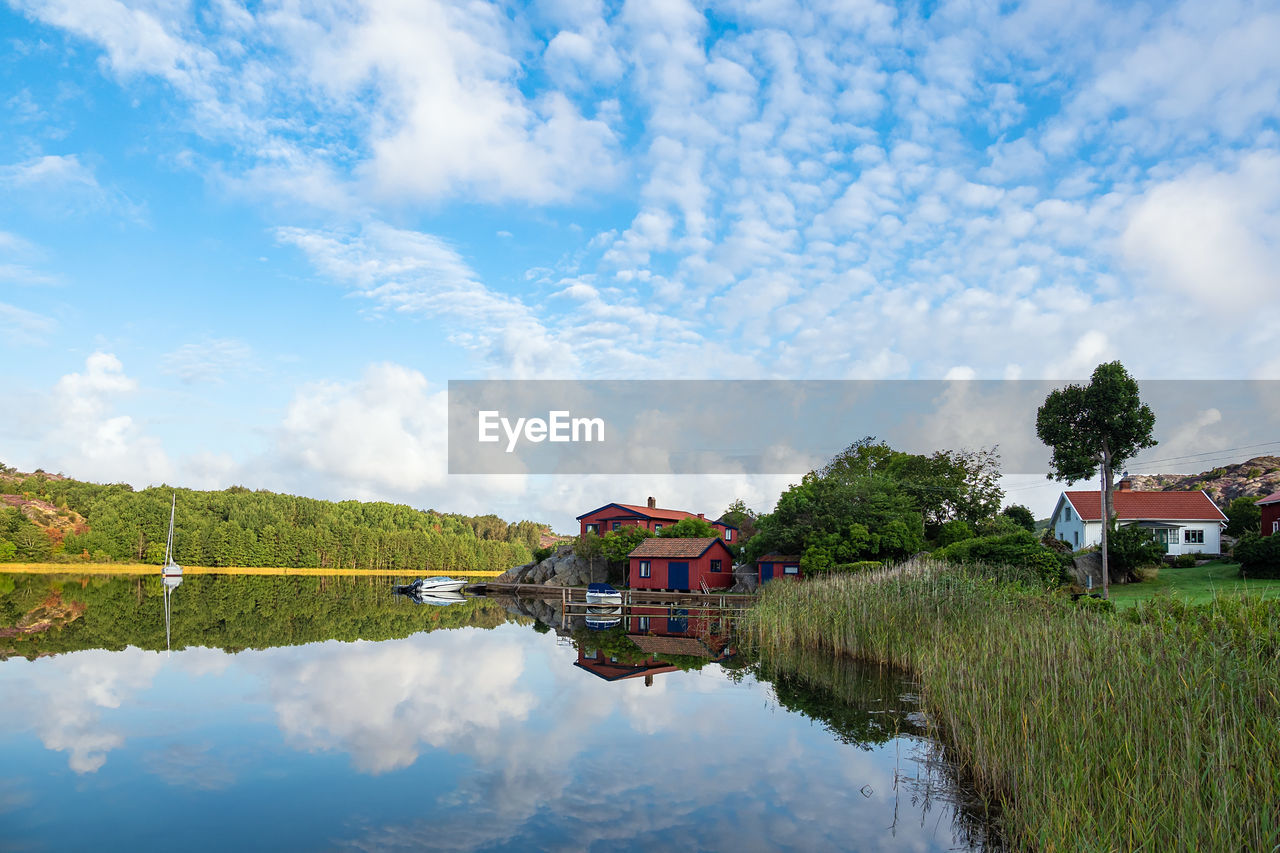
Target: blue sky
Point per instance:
(251, 244)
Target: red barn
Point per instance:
(772, 566)
(1270, 507)
(681, 564)
(651, 517)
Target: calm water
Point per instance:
(467, 727)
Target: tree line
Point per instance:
(240, 527)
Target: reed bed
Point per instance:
(1158, 729)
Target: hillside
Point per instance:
(47, 517)
(1257, 477)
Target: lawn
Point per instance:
(1195, 585)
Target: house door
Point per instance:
(678, 576)
(678, 621)
(766, 572)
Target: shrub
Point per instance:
(1019, 548)
(1259, 556)
(1129, 548)
(541, 554)
(1184, 561)
(1096, 604)
(953, 532)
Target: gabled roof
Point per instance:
(778, 558)
(658, 645)
(664, 547)
(656, 513)
(1150, 506)
(1269, 499)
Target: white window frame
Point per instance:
(657, 527)
(1191, 536)
(646, 569)
(728, 534)
(791, 569)
(1275, 526)
(593, 527)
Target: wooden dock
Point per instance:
(577, 595)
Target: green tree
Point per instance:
(689, 528)
(1021, 516)
(1099, 425)
(1243, 516)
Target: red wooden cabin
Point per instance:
(681, 564)
(772, 566)
(651, 517)
(1270, 507)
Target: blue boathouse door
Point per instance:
(766, 572)
(677, 575)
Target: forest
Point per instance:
(55, 614)
(241, 527)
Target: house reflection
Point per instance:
(653, 640)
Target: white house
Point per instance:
(1183, 522)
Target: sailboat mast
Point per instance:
(168, 545)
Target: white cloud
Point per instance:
(209, 360)
(1213, 236)
(86, 436)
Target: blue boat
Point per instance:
(603, 593)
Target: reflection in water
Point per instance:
(496, 735)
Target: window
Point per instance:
(1275, 527)
(657, 527)
(1077, 536)
(593, 528)
(1066, 513)
(644, 623)
(791, 569)
(645, 570)
(1193, 537)
(617, 524)
(728, 534)
(715, 565)
(591, 655)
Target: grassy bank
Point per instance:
(1155, 729)
(1195, 585)
(148, 569)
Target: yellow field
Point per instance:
(144, 569)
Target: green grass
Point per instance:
(1196, 585)
(1153, 729)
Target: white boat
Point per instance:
(603, 593)
(171, 572)
(431, 586)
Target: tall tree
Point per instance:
(1099, 425)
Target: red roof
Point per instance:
(1148, 506)
(663, 547)
(778, 558)
(1269, 499)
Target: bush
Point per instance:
(541, 554)
(1019, 548)
(1096, 604)
(1259, 556)
(1129, 548)
(953, 532)
(1184, 561)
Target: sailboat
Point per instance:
(171, 572)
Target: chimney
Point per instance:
(653, 504)
(702, 516)
(1125, 485)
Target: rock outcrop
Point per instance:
(1258, 477)
(562, 568)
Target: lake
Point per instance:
(296, 713)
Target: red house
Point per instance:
(1270, 507)
(611, 668)
(772, 566)
(681, 564)
(651, 517)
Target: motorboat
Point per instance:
(436, 585)
(603, 593)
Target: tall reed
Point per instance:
(1157, 730)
